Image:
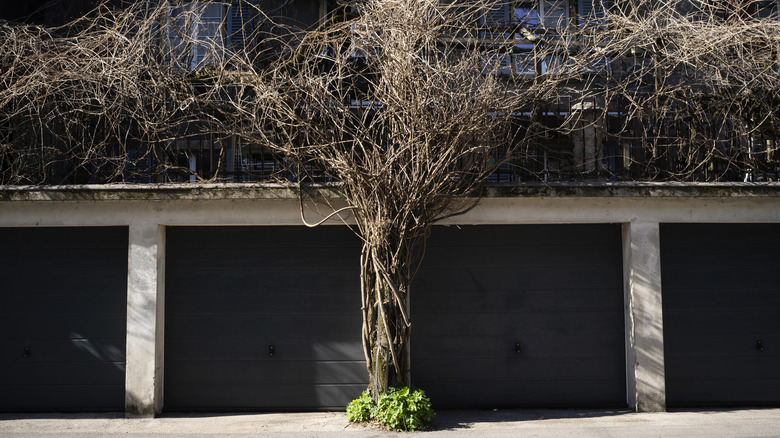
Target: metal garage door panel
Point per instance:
(232, 292)
(63, 296)
(555, 289)
(720, 297)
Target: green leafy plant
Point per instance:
(361, 409)
(397, 409)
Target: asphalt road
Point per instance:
(459, 423)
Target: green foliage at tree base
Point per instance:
(397, 409)
(361, 409)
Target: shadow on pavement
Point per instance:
(466, 419)
(61, 415)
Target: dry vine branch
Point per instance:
(404, 118)
(663, 89)
(410, 105)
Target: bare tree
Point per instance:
(408, 105)
(396, 106)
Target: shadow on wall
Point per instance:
(103, 352)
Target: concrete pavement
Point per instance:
(458, 423)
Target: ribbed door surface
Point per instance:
(520, 315)
(721, 304)
(63, 295)
(261, 318)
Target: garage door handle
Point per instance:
(760, 345)
(27, 353)
(518, 350)
(271, 350)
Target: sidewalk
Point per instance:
(458, 423)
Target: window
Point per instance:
(737, 10)
(591, 14)
(554, 13)
(241, 17)
(527, 16)
(546, 15)
(194, 32)
(591, 17)
(534, 20)
(496, 20)
(768, 9)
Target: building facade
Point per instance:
(212, 298)
(569, 285)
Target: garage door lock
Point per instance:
(271, 350)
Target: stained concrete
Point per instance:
(645, 376)
(145, 300)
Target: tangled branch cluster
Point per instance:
(408, 104)
(665, 90)
(395, 106)
(75, 100)
(696, 89)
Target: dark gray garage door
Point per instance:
(262, 318)
(721, 301)
(63, 295)
(556, 290)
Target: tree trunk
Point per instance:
(386, 326)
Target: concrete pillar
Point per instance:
(645, 380)
(145, 311)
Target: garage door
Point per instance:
(721, 301)
(512, 316)
(262, 318)
(62, 319)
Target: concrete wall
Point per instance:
(147, 210)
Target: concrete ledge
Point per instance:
(168, 192)
(633, 189)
